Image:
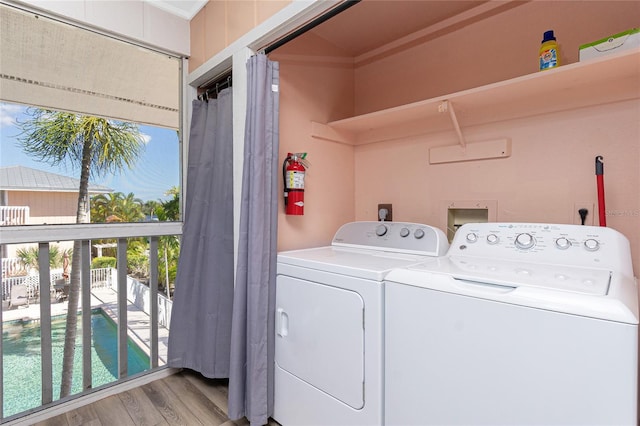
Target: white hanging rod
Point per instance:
(448, 106)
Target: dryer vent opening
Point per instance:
(460, 212)
(456, 217)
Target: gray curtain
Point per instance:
(201, 315)
(252, 345)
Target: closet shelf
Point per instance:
(613, 78)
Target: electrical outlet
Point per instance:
(385, 208)
(591, 212)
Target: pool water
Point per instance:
(22, 370)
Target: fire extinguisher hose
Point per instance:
(602, 212)
(284, 180)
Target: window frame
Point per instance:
(22, 234)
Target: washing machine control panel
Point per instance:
(586, 246)
(401, 237)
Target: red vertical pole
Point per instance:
(602, 212)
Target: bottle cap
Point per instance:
(548, 35)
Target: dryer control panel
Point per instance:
(553, 244)
(401, 237)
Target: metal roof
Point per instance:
(20, 178)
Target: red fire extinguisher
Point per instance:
(293, 170)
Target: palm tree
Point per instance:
(149, 209)
(104, 205)
(169, 211)
(172, 206)
(116, 207)
(29, 257)
(130, 208)
(97, 146)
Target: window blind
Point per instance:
(50, 64)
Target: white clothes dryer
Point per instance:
(519, 324)
(329, 319)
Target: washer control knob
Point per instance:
(404, 232)
(381, 230)
(472, 237)
(525, 241)
(563, 243)
(591, 244)
(419, 233)
(493, 239)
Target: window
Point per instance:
(35, 192)
(50, 65)
(56, 66)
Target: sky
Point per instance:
(156, 171)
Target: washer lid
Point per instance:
(611, 297)
(361, 263)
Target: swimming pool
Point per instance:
(22, 370)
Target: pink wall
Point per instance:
(545, 176)
(46, 207)
(221, 22)
(551, 168)
(313, 90)
(552, 163)
(494, 49)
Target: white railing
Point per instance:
(12, 266)
(140, 295)
(14, 215)
(31, 281)
(104, 278)
(100, 278)
(128, 293)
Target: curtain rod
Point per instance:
(213, 89)
(319, 20)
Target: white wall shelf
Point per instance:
(614, 78)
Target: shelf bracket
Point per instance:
(448, 106)
(322, 131)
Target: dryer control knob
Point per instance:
(472, 237)
(563, 243)
(525, 241)
(591, 244)
(493, 239)
(404, 232)
(381, 230)
(418, 234)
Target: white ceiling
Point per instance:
(186, 9)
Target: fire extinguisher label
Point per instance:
(295, 180)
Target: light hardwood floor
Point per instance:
(185, 398)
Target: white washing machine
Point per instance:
(329, 319)
(519, 324)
